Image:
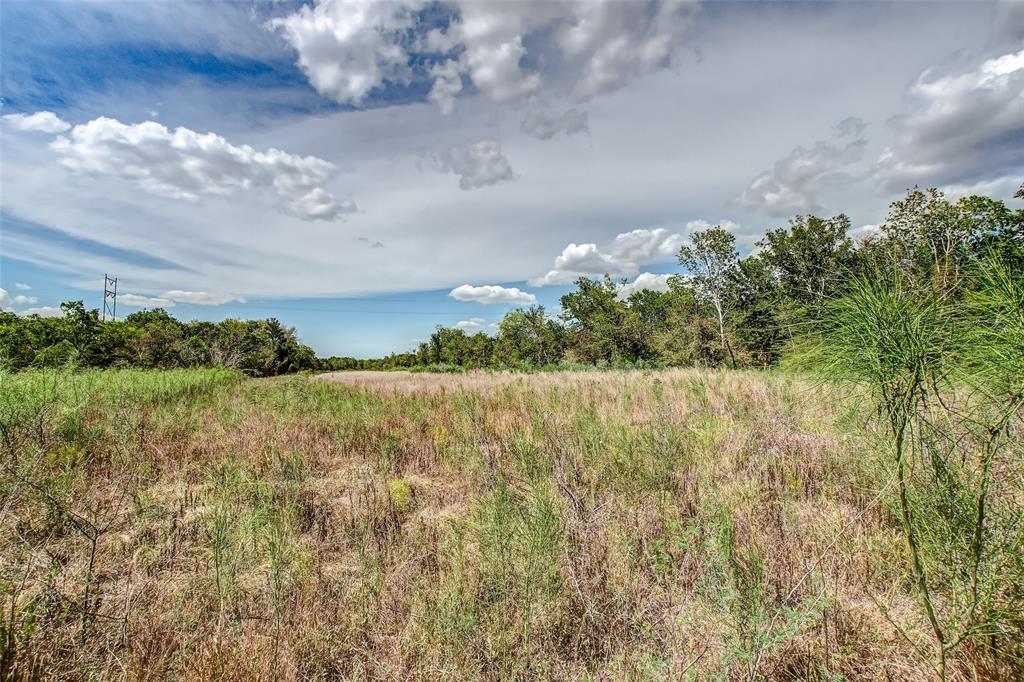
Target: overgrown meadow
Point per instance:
(673, 524)
(853, 511)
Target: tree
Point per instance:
(595, 314)
(449, 346)
(758, 298)
(710, 257)
(529, 336)
(810, 258)
(157, 338)
(936, 241)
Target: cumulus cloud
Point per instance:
(643, 282)
(544, 125)
(137, 301)
(794, 182)
(623, 257)
(745, 236)
(646, 245)
(21, 286)
(577, 260)
(492, 293)
(42, 311)
(960, 125)
(615, 42)
(491, 35)
(473, 324)
(41, 121)
(183, 164)
(603, 44)
(477, 164)
(7, 301)
(318, 204)
(447, 84)
(201, 297)
(347, 49)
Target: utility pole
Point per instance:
(109, 296)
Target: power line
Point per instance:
(354, 311)
(110, 304)
(249, 306)
(353, 299)
(38, 291)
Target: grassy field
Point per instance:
(678, 524)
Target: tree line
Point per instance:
(732, 311)
(150, 339)
(726, 311)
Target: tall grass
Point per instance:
(637, 525)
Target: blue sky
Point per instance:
(345, 166)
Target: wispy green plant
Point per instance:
(944, 372)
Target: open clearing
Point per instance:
(489, 381)
(597, 525)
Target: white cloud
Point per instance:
(492, 34)
(794, 182)
(347, 49)
(447, 84)
(183, 164)
(578, 260)
(864, 232)
(959, 126)
(21, 286)
(543, 125)
(643, 282)
(42, 311)
(492, 293)
(318, 204)
(615, 42)
(478, 164)
(603, 44)
(646, 245)
(473, 324)
(137, 301)
(745, 236)
(701, 224)
(201, 297)
(999, 188)
(41, 121)
(627, 252)
(7, 301)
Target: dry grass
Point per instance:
(485, 382)
(642, 525)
